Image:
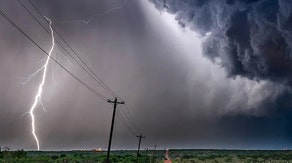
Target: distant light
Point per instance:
(97, 150)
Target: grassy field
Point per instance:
(220, 156)
(128, 156)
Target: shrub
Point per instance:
(63, 155)
(19, 154)
(228, 159)
(54, 157)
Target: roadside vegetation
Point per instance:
(129, 156)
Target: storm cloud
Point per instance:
(249, 38)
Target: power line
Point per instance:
(98, 79)
(87, 69)
(131, 125)
(125, 123)
(64, 68)
(130, 117)
(35, 18)
(131, 122)
(95, 77)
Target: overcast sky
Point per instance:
(194, 74)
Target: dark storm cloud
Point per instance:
(250, 38)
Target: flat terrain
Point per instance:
(129, 156)
(220, 156)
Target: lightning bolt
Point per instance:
(37, 98)
(100, 14)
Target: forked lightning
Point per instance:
(38, 96)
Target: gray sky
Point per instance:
(177, 95)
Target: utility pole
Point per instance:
(115, 102)
(140, 137)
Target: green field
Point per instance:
(129, 156)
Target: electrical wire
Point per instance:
(96, 77)
(53, 59)
(124, 121)
(130, 119)
(60, 44)
(88, 70)
(91, 72)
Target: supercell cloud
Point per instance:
(249, 38)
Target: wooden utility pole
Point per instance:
(140, 138)
(115, 102)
